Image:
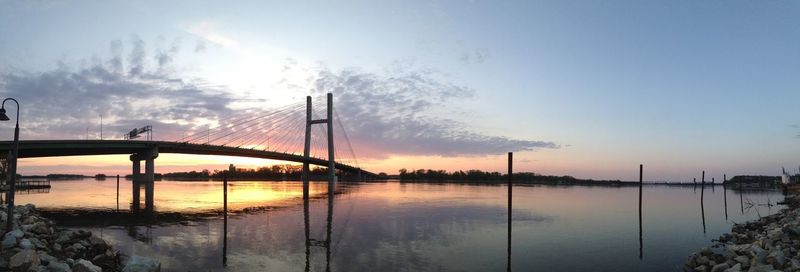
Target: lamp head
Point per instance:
(3, 116)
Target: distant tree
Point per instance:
(403, 173)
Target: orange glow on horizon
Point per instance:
(548, 162)
(173, 196)
(121, 164)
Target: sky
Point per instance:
(589, 89)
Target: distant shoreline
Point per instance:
(589, 183)
(519, 182)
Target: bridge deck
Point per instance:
(59, 148)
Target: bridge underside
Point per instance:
(60, 148)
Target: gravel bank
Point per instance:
(37, 244)
(771, 243)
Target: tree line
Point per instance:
(274, 172)
(475, 175)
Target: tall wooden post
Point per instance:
(702, 208)
(510, 197)
(225, 220)
(725, 195)
(117, 193)
(741, 198)
(641, 178)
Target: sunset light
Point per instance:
(414, 135)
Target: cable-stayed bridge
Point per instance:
(300, 132)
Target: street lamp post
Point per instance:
(12, 163)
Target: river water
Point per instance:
(396, 226)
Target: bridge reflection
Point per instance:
(309, 242)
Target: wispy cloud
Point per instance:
(200, 46)
(478, 56)
(386, 114)
(211, 33)
(393, 115)
(165, 56)
(63, 102)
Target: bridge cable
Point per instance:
(244, 138)
(226, 127)
(347, 139)
(283, 140)
(235, 131)
(268, 132)
(246, 117)
(282, 124)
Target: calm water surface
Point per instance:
(415, 227)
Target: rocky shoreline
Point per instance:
(37, 244)
(771, 243)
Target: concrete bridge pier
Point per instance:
(147, 180)
(136, 177)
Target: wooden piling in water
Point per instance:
(117, 193)
(702, 208)
(741, 198)
(712, 184)
(225, 220)
(510, 187)
(640, 209)
(725, 195)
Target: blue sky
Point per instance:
(678, 85)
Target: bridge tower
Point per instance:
(331, 174)
(307, 149)
(147, 180)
